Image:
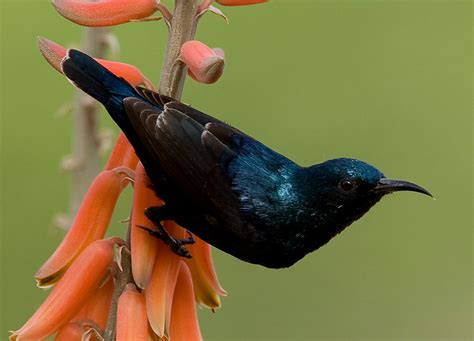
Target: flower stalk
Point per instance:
(183, 28)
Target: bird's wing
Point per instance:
(210, 161)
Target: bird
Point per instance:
(226, 187)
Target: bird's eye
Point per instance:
(346, 185)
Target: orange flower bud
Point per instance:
(123, 154)
(67, 297)
(54, 54)
(204, 64)
(95, 13)
(144, 247)
(90, 224)
(207, 288)
(97, 306)
(159, 291)
(239, 2)
(132, 323)
(184, 322)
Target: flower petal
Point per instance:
(104, 12)
(184, 322)
(123, 154)
(54, 54)
(72, 331)
(90, 224)
(159, 291)
(204, 64)
(207, 288)
(144, 247)
(240, 2)
(132, 323)
(68, 296)
(97, 307)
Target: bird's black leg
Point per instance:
(157, 214)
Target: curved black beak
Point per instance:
(386, 185)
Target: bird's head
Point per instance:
(347, 188)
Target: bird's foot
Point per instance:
(176, 245)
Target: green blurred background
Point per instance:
(388, 82)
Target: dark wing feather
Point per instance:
(189, 157)
(225, 175)
(161, 101)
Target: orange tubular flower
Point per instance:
(71, 332)
(204, 64)
(184, 323)
(240, 2)
(207, 288)
(96, 308)
(77, 285)
(160, 290)
(144, 247)
(132, 323)
(122, 154)
(54, 54)
(90, 224)
(96, 13)
(160, 302)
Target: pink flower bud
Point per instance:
(239, 2)
(96, 13)
(204, 64)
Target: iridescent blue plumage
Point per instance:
(226, 187)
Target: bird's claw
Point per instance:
(176, 245)
(189, 240)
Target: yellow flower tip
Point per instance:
(90, 224)
(49, 281)
(97, 13)
(204, 64)
(207, 288)
(71, 292)
(132, 322)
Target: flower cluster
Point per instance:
(149, 291)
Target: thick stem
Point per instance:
(183, 28)
(85, 135)
(121, 280)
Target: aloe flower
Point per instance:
(105, 12)
(153, 291)
(81, 267)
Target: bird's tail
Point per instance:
(91, 77)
